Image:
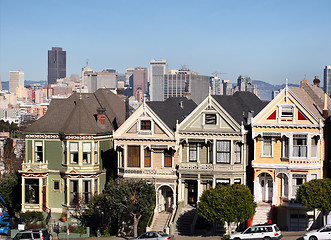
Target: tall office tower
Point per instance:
(129, 76)
(107, 79)
(140, 77)
(16, 78)
(56, 64)
(227, 87)
(245, 84)
(186, 83)
(215, 84)
(158, 69)
(327, 80)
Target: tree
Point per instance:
(316, 194)
(9, 189)
(8, 155)
(130, 198)
(227, 203)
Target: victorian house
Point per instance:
(213, 144)
(146, 147)
(289, 150)
(69, 151)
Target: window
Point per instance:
(222, 181)
(237, 181)
(223, 151)
(267, 147)
(285, 144)
(147, 157)
(314, 143)
(32, 191)
(168, 158)
(96, 156)
(86, 153)
(133, 156)
(74, 152)
(237, 153)
(87, 191)
(210, 153)
(297, 180)
(299, 145)
(210, 119)
(74, 192)
(95, 187)
(193, 152)
(56, 185)
(145, 125)
(286, 111)
(38, 150)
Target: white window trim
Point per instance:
(272, 148)
(204, 119)
(188, 152)
(145, 130)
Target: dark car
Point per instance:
(33, 234)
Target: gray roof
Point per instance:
(239, 104)
(172, 110)
(77, 114)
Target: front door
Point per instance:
(192, 193)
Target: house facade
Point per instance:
(146, 147)
(289, 151)
(69, 151)
(212, 144)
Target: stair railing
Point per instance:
(194, 222)
(174, 217)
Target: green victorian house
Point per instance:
(69, 151)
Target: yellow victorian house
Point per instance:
(289, 151)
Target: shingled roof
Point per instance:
(77, 114)
(172, 110)
(239, 104)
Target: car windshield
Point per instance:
(276, 228)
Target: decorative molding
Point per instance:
(69, 137)
(34, 175)
(275, 125)
(81, 176)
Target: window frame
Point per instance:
(74, 153)
(167, 158)
(59, 185)
(144, 126)
(88, 153)
(147, 157)
(193, 147)
(220, 152)
(286, 111)
(138, 149)
(209, 120)
(300, 147)
(39, 153)
(35, 185)
(237, 151)
(263, 142)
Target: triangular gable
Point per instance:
(285, 108)
(196, 120)
(132, 126)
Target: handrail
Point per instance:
(195, 219)
(149, 220)
(166, 224)
(175, 216)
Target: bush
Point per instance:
(32, 217)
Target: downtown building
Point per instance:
(56, 65)
(327, 80)
(158, 69)
(16, 78)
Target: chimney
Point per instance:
(101, 116)
(316, 81)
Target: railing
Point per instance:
(174, 217)
(148, 171)
(195, 219)
(167, 223)
(196, 166)
(37, 166)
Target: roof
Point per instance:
(77, 114)
(172, 110)
(240, 104)
(312, 97)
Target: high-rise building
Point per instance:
(227, 87)
(129, 76)
(140, 77)
(186, 83)
(327, 80)
(158, 69)
(215, 84)
(245, 84)
(16, 78)
(56, 65)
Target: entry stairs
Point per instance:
(185, 220)
(160, 221)
(262, 214)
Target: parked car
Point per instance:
(322, 233)
(261, 231)
(153, 235)
(33, 234)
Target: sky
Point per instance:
(268, 40)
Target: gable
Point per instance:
(209, 117)
(143, 123)
(285, 109)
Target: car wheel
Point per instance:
(236, 239)
(312, 238)
(266, 238)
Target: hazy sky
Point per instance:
(268, 40)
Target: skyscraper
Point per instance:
(56, 65)
(158, 69)
(16, 78)
(140, 77)
(327, 80)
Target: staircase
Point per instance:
(160, 221)
(262, 214)
(183, 225)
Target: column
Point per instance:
(199, 189)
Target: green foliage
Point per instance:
(9, 189)
(32, 217)
(7, 127)
(227, 203)
(316, 194)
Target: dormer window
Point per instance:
(145, 125)
(210, 119)
(286, 111)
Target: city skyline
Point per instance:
(266, 40)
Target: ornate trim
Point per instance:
(81, 176)
(38, 175)
(69, 137)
